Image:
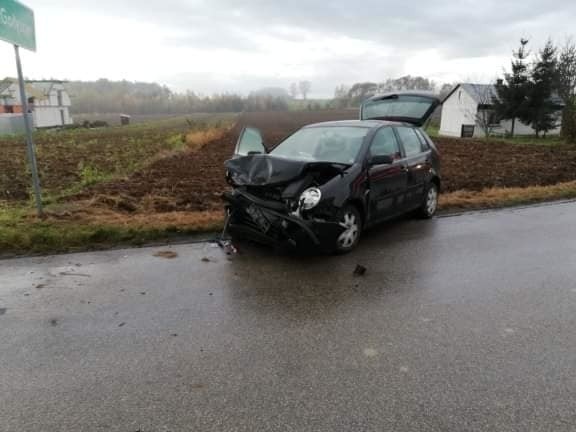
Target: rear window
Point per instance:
(404, 106)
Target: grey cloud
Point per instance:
(458, 29)
(467, 27)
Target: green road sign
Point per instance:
(17, 24)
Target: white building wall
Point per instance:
(46, 116)
(459, 109)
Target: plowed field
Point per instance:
(194, 180)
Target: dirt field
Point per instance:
(71, 160)
(194, 180)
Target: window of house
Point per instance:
(60, 98)
(411, 142)
(493, 118)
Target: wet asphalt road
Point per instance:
(460, 324)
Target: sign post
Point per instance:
(17, 27)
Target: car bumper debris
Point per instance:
(269, 222)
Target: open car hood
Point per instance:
(260, 170)
(409, 107)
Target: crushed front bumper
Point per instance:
(267, 222)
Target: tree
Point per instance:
(359, 92)
(340, 96)
(484, 114)
(566, 86)
(304, 87)
(407, 82)
(293, 90)
(540, 112)
(512, 92)
(445, 90)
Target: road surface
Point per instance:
(465, 323)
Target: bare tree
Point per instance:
(484, 115)
(294, 90)
(406, 83)
(445, 90)
(304, 87)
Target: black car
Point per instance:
(327, 182)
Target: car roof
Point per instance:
(369, 124)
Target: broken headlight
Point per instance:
(310, 198)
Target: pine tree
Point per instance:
(566, 84)
(540, 112)
(512, 92)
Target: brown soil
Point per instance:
(194, 180)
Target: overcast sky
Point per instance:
(240, 45)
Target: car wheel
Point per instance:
(351, 220)
(430, 204)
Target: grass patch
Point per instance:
(506, 197)
(21, 232)
(63, 230)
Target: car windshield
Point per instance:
(337, 144)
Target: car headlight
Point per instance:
(310, 198)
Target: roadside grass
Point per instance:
(506, 197)
(21, 232)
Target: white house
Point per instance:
(467, 112)
(48, 102)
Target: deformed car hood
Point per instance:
(259, 170)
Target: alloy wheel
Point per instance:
(348, 238)
(432, 200)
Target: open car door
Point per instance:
(250, 142)
(409, 107)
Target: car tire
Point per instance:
(351, 219)
(430, 202)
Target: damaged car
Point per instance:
(327, 182)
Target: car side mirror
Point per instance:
(381, 160)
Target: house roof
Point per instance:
(478, 92)
(41, 86)
(484, 93)
(36, 89)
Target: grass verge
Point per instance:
(506, 197)
(21, 232)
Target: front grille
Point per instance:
(266, 193)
